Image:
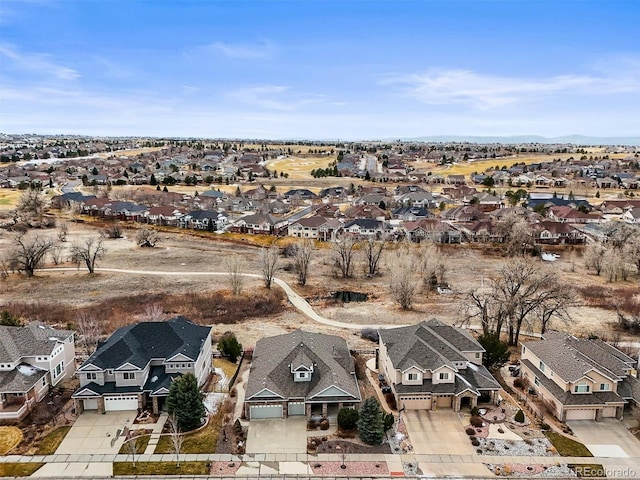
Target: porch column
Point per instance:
(142, 400)
(619, 413)
(456, 404)
(474, 401)
(78, 404)
(101, 405)
(598, 414)
(434, 402)
(154, 402)
(307, 410)
(285, 410)
(340, 406)
(325, 409)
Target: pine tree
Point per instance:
(185, 401)
(371, 422)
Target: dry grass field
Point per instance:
(122, 298)
(299, 167)
(129, 153)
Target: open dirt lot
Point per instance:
(467, 268)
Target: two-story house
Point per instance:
(301, 373)
(134, 368)
(580, 379)
(432, 365)
(32, 359)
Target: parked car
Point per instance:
(386, 389)
(515, 372)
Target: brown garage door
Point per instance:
(416, 402)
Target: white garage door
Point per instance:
(296, 408)
(608, 412)
(90, 403)
(417, 402)
(120, 402)
(581, 414)
(265, 411)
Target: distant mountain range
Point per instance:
(572, 139)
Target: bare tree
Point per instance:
(516, 234)
(74, 210)
(302, 259)
(88, 252)
(372, 249)
(147, 237)
(235, 265)
(176, 437)
(404, 279)
(31, 207)
(616, 266)
(632, 251)
(56, 253)
(594, 256)
(482, 305)
(556, 306)
(153, 312)
(63, 230)
(344, 250)
(28, 252)
(90, 330)
(269, 262)
(113, 231)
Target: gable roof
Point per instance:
(273, 358)
(137, 344)
(428, 345)
(571, 358)
(33, 339)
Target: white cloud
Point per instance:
(39, 63)
(485, 91)
(274, 97)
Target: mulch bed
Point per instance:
(352, 447)
(224, 468)
(351, 468)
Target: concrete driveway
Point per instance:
(439, 432)
(608, 438)
(277, 435)
(92, 433)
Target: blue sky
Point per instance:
(320, 69)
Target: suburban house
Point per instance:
(432, 365)
(134, 367)
(33, 358)
(580, 379)
(301, 373)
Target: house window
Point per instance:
(412, 376)
(129, 376)
(109, 372)
(605, 387)
(58, 370)
(477, 354)
(92, 376)
(536, 380)
(444, 376)
(542, 366)
(524, 349)
(581, 388)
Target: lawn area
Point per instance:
(202, 441)
(567, 447)
(141, 444)
(50, 443)
(229, 368)
(160, 468)
(18, 469)
(9, 198)
(9, 438)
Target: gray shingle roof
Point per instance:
(18, 381)
(137, 344)
(571, 358)
(568, 398)
(273, 357)
(30, 340)
(428, 345)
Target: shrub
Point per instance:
(475, 412)
(324, 424)
(475, 443)
(519, 383)
(370, 334)
(348, 418)
(391, 400)
(476, 421)
(470, 431)
(545, 426)
(519, 416)
(388, 420)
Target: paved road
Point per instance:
(296, 300)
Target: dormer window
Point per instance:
(302, 376)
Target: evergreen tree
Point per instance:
(152, 180)
(371, 422)
(185, 401)
(229, 346)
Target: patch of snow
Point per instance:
(212, 401)
(472, 366)
(154, 379)
(27, 370)
(223, 382)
